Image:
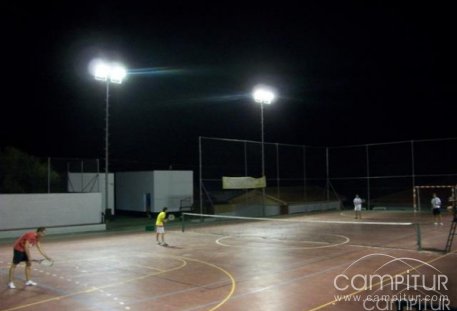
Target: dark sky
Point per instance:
(346, 72)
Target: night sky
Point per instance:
(346, 72)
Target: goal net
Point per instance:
(422, 196)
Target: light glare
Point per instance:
(101, 72)
(263, 95)
(115, 73)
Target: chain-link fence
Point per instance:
(28, 174)
(386, 174)
(294, 173)
(383, 174)
(62, 167)
(24, 173)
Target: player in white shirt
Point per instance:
(436, 209)
(357, 207)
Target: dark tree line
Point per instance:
(23, 173)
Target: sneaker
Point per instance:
(436, 223)
(11, 285)
(30, 283)
(158, 243)
(164, 244)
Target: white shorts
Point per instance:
(358, 208)
(160, 229)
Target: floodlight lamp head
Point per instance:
(101, 72)
(113, 73)
(117, 74)
(263, 95)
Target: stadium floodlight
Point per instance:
(263, 95)
(109, 73)
(114, 73)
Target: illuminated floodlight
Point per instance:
(263, 95)
(113, 73)
(109, 73)
(118, 73)
(101, 72)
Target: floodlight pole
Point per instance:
(109, 73)
(107, 151)
(263, 95)
(263, 142)
(263, 156)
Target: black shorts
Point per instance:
(19, 257)
(436, 211)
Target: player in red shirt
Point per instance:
(22, 248)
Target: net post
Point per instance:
(418, 235)
(182, 222)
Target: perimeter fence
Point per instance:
(22, 173)
(59, 169)
(383, 174)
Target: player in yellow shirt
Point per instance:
(160, 228)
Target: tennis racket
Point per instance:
(171, 217)
(44, 262)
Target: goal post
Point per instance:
(419, 193)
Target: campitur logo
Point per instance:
(384, 282)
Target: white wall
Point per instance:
(274, 210)
(170, 187)
(166, 188)
(131, 188)
(18, 211)
(314, 206)
(91, 183)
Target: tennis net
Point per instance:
(299, 232)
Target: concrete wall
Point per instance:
(164, 188)
(170, 188)
(131, 189)
(273, 210)
(93, 183)
(19, 211)
(314, 206)
(54, 230)
(247, 210)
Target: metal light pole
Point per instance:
(263, 95)
(262, 139)
(106, 150)
(109, 73)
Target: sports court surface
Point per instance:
(304, 262)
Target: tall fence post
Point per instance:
(49, 174)
(419, 237)
(367, 152)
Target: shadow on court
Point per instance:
(252, 265)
